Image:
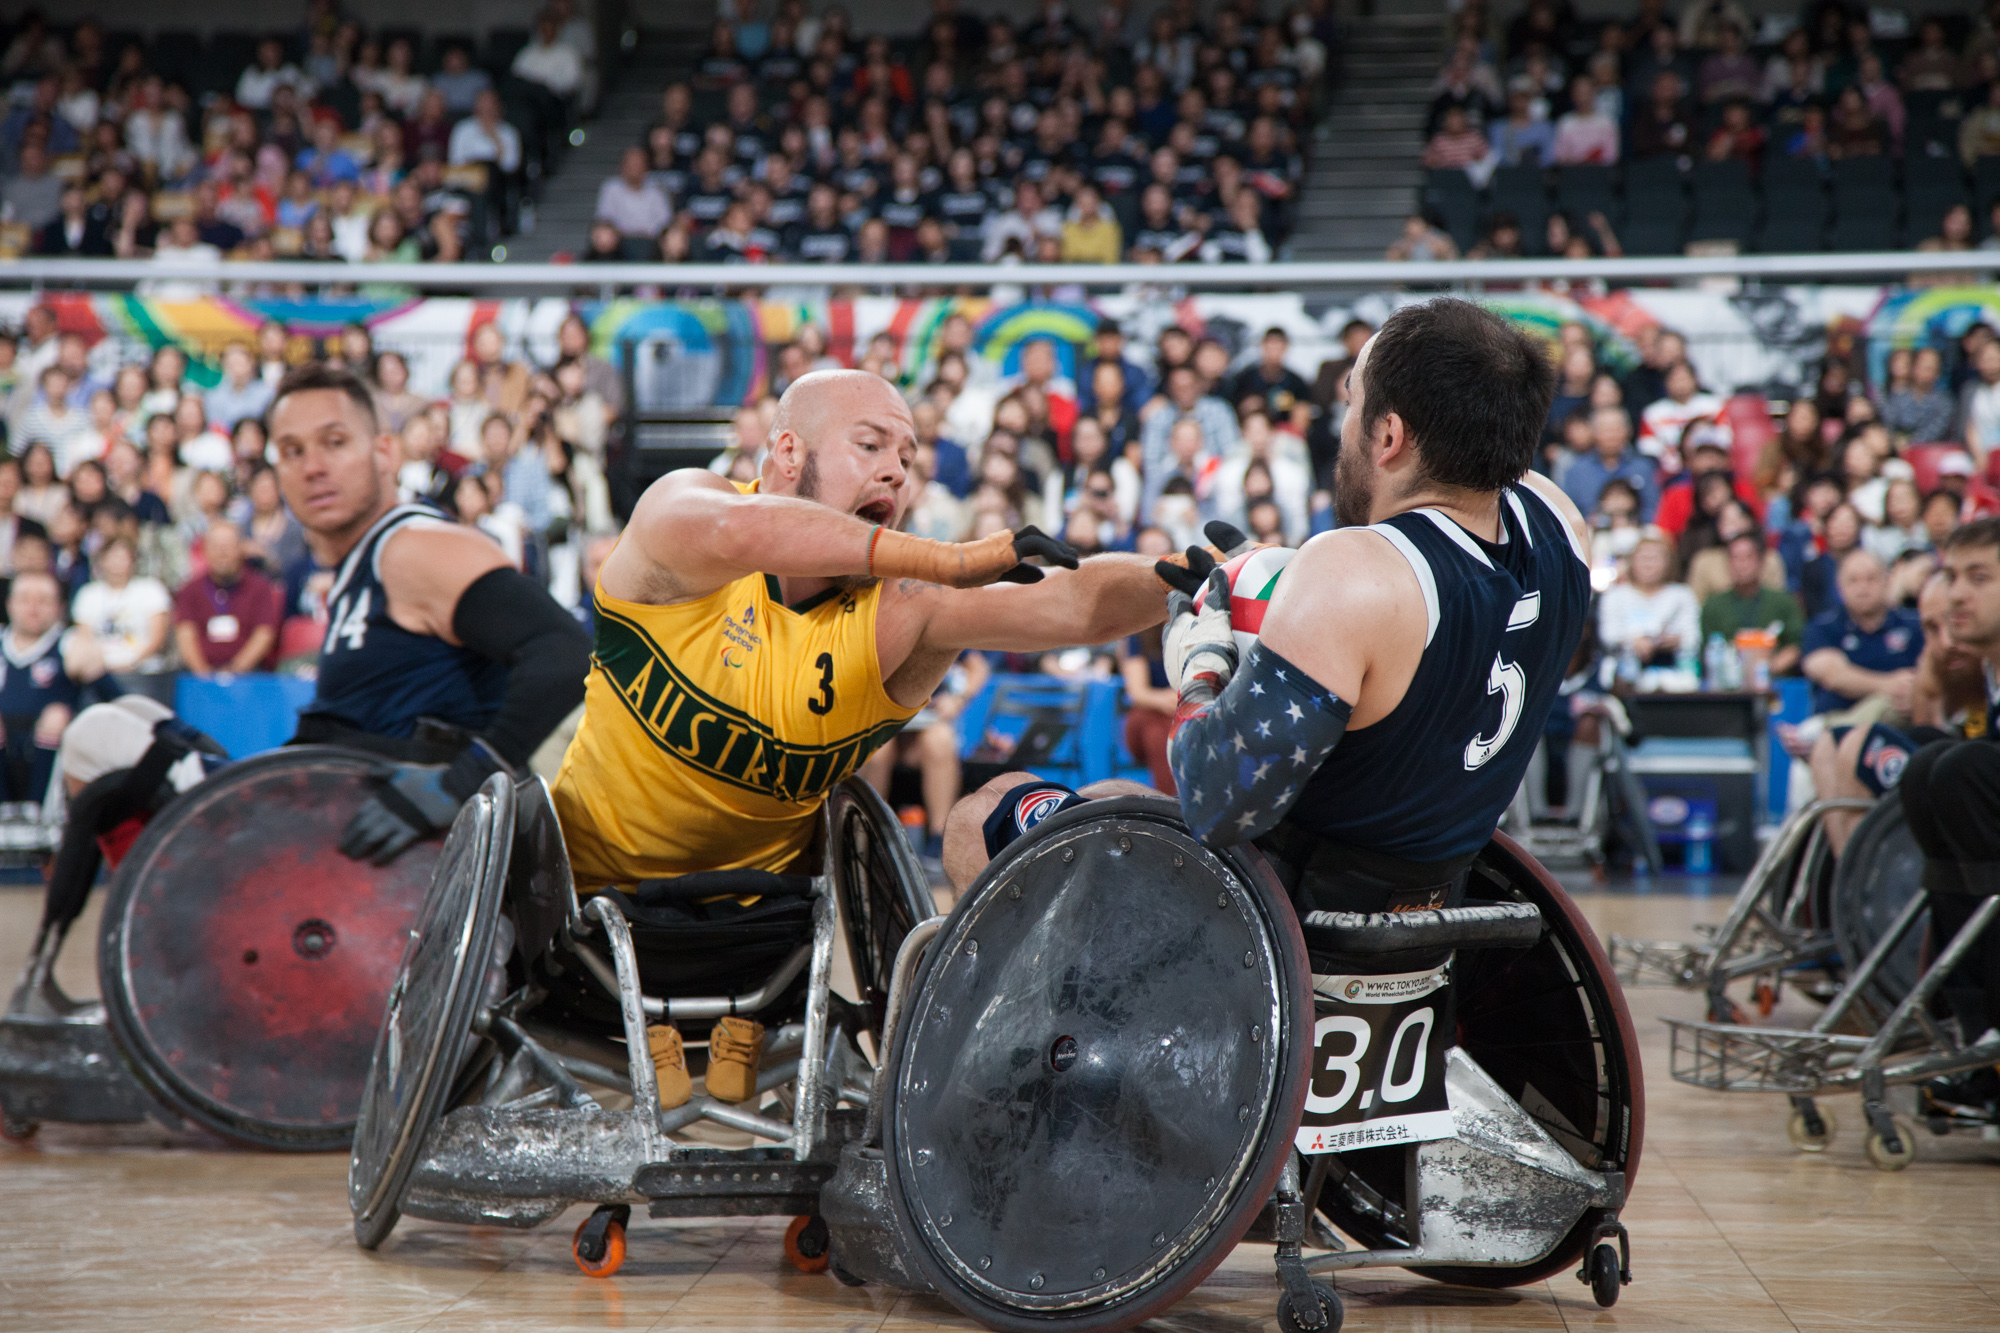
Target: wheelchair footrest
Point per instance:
(1480, 925)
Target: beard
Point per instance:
(1353, 488)
(809, 490)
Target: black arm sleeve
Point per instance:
(507, 616)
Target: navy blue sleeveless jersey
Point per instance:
(379, 678)
(33, 678)
(1430, 781)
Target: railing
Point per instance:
(1281, 276)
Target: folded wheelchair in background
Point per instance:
(1879, 917)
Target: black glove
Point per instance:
(414, 801)
(1187, 573)
(1226, 539)
(1031, 540)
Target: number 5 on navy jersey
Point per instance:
(1509, 682)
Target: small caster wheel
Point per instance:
(17, 1130)
(1331, 1312)
(599, 1245)
(1604, 1276)
(1810, 1132)
(806, 1244)
(845, 1278)
(1767, 998)
(1885, 1160)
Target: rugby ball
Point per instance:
(1253, 581)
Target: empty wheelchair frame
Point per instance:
(1094, 1074)
(1781, 928)
(1879, 916)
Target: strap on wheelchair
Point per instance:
(1476, 925)
(703, 884)
(433, 742)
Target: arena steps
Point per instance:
(630, 105)
(1365, 178)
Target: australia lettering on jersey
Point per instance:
(722, 741)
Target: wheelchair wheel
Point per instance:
(1881, 871)
(1550, 1025)
(882, 890)
(1098, 1073)
(428, 1024)
(244, 961)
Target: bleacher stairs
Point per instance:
(1365, 175)
(629, 105)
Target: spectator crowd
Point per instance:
(1829, 83)
(325, 142)
(1074, 138)
(152, 506)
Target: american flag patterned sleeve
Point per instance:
(1241, 753)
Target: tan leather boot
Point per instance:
(735, 1048)
(670, 1065)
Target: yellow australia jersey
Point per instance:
(713, 729)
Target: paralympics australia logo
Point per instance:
(740, 637)
(1037, 806)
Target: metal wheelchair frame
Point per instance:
(1773, 927)
(530, 1141)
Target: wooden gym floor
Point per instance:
(1732, 1230)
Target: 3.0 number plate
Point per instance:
(1378, 1062)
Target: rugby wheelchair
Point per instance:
(243, 962)
(1061, 1106)
(1882, 1028)
(1781, 928)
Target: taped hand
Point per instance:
(1200, 640)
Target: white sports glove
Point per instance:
(1193, 634)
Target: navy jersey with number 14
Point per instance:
(379, 678)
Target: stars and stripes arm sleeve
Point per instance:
(1242, 751)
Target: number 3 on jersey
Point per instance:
(824, 704)
(1507, 680)
(349, 622)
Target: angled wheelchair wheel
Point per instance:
(883, 892)
(244, 961)
(1550, 1026)
(428, 1023)
(1099, 1071)
(1882, 869)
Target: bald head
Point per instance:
(823, 399)
(1863, 582)
(846, 439)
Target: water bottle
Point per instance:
(1711, 662)
(1700, 844)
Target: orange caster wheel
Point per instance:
(17, 1131)
(599, 1246)
(1767, 998)
(806, 1244)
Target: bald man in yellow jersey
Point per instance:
(755, 645)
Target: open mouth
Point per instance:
(876, 511)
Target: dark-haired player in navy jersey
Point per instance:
(1371, 739)
(439, 656)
